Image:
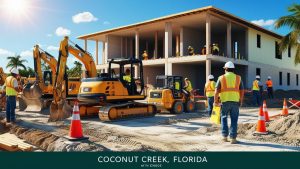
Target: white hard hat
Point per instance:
(211, 77)
(269, 77)
(186, 78)
(229, 65)
(14, 70)
(257, 77)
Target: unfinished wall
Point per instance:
(114, 47)
(194, 38)
(150, 73)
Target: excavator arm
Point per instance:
(59, 109)
(86, 58)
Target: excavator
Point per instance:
(2, 97)
(60, 106)
(111, 97)
(35, 96)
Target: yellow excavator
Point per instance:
(60, 107)
(111, 96)
(36, 96)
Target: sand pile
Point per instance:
(283, 130)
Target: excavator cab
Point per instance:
(169, 95)
(125, 65)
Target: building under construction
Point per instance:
(166, 40)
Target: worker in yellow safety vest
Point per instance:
(269, 85)
(127, 76)
(257, 89)
(230, 89)
(209, 92)
(11, 90)
(188, 85)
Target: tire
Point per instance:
(177, 108)
(189, 106)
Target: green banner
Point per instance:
(75, 160)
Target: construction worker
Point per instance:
(191, 51)
(145, 55)
(257, 89)
(230, 89)
(269, 84)
(188, 85)
(209, 92)
(11, 90)
(127, 76)
(215, 49)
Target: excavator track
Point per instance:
(126, 110)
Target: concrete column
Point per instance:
(136, 72)
(85, 45)
(168, 69)
(208, 68)
(121, 47)
(168, 39)
(208, 33)
(228, 39)
(97, 55)
(106, 49)
(177, 45)
(181, 41)
(103, 52)
(155, 45)
(137, 44)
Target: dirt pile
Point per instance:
(283, 130)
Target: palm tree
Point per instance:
(292, 39)
(16, 61)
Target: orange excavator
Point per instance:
(60, 106)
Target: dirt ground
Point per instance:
(164, 132)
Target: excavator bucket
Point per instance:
(31, 100)
(59, 111)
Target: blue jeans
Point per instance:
(257, 98)
(210, 101)
(10, 108)
(231, 108)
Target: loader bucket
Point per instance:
(59, 111)
(31, 100)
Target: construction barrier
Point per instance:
(261, 123)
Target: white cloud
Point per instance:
(4, 52)
(84, 17)
(262, 22)
(49, 35)
(52, 48)
(26, 53)
(106, 23)
(60, 31)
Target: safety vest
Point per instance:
(9, 83)
(210, 88)
(189, 87)
(230, 87)
(127, 78)
(255, 85)
(177, 86)
(269, 83)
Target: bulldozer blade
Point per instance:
(59, 111)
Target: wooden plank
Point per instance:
(7, 147)
(9, 140)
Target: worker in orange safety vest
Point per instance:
(269, 85)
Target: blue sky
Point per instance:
(45, 20)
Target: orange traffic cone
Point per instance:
(265, 110)
(285, 111)
(261, 124)
(76, 128)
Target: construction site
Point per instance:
(138, 97)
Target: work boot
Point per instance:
(224, 139)
(233, 141)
